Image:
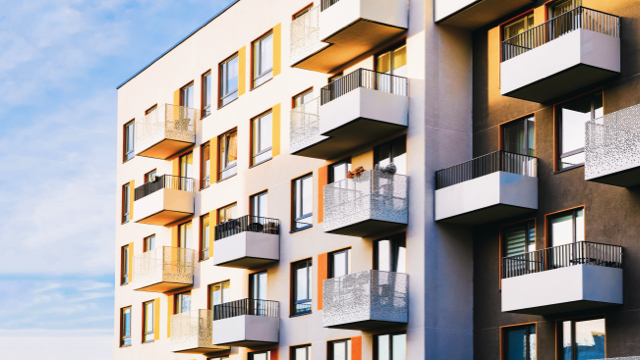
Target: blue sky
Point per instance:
(60, 62)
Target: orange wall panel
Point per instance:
(323, 179)
(356, 348)
(322, 276)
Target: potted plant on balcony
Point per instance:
(355, 173)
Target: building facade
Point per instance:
(382, 179)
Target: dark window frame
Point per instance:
(392, 155)
(205, 152)
(265, 72)
(376, 257)
(308, 264)
(375, 343)
(504, 347)
(205, 94)
(331, 169)
(331, 344)
(223, 92)
(144, 320)
(225, 139)
(252, 205)
(129, 149)
(256, 136)
(293, 349)
(124, 264)
(145, 242)
(210, 304)
(184, 89)
(204, 252)
(331, 261)
(126, 199)
(560, 335)
(124, 339)
(294, 202)
(574, 217)
(523, 120)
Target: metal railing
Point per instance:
(165, 182)
(164, 264)
(168, 121)
(254, 307)
(484, 165)
(305, 126)
(578, 18)
(305, 35)
(578, 253)
(366, 79)
(247, 223)
(325, 4)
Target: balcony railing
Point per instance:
(168, 121)
(366, 79)
(327, 3)
(305, 35)
(578, 18)
(191, 332)
(305, 126)
(485, 165)
(164, 265)
(165, 182)
(247, 223)
(578, 253)
(254, 307)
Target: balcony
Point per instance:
(572, 277)
(165, 200)
(339, 31)
(354, 110)
(374, 202)
(246, 323)
(191, 333)
(612, 148)
(166, 131)
(366, 300)
(474, 14)
(489, 188)
(163, 269)
(576, 49)
(247, 242)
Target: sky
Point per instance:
(60, 64)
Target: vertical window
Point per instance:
(261, 138)
(227, 213)
(186, 96)
(125, 326)
(228, 154)
(147, 321)
(150, 243)
(518, 137)
(562, 6)
(393, 152)
(206, 94)
(583, 339)
(519, 239)
(258, 285)
(302, 352)
(124, 265)
(204, 237)
(219, 293)
(339, 170)
(205, 170)
(263, 59)
(259, 204)
(339, 263)
(517, 26)
(229, 70)
(129, 140)
(302, 202)
(260, 355)
(392, 62)
(303, 98)
(185, 235)
(390, 254)
(520, 342)
(567, 227)
(390, 347)
(182, 303)
(186, 166)
(301, 287)
(150, 176)
(126, 196)
(572, 118)
(340, 350)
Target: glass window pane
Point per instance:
(266, 56)
(383, 63)
(572, 160)
(302, 284)
(307, 193)
(516, 240)
(399, 347)
(531, 136)
(514, 138)
(232, 75)
(384, 255)
(185, 234)
(384, 347)
(590, 339)
(340, 351)
(265, 132)
(532, 342)
(261, 356)
(400, 156)
(400, 61)
(566, 340)
(580, 225)
(517, 344)
(562, 230)
(574, 116)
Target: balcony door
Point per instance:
(393, 152)
(519, 240)
(186, 166)
(185, 235)
(393, 62)
(566, 229)
(257, 292)
(187, 96)
(518, 137)
(183, 303)
(338, 171)
(390, 254)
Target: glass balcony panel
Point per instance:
(163, 269)
(166, 131)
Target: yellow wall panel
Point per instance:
(242, 70)
(275, 145)
(539, 15)
(156, 319)
(174, 236)
(132, 191)
(214, 160)
(169, 314)
(176, 101)
(364, 159)
(277, 49)
(176, 166)
(130, 263)
(323, 179)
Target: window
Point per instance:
(519, 239)
(340, 350)
(228, 154)
(261, 138)
(204, 237)
(301, 287)
(302, 352)
(572, 118)
(390, 254)
(151, 109)
(393, 152)
(259, 204)
(518, 137)
(126, 196)
(186, 96)
(125, 326)
(219, 293)
(129, 140)
(567, 227)
(150, 176)
(335, 77)
(229, 80)
(302, 202)
(562, 6)
(339, 263)
(185, 235)
(205, 170)
(517, 26)
(227, 213)
(124, 265)
(258, 285)
(303, 98)
(520, 342)
(149, 243)
(339, 170)
(260, 355)
(206, 94)
(582, 339)
(392, 62)
(147, 321)
(186, 165)
(220, 358)
(262, 59)
(302, 12)
(182, 303)
(390, 347)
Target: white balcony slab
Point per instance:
(568, 63)
(163, 269)
(246, 331)
(473, 14)
(191, 333)
(246, 250)
(555, 291)
(165, 131)
(164, 206)
(488, 198)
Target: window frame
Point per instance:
(223, 72)
(126, 200)
(124, 264)
(205, 94)
(391, 335)
(331, 171)
(523, 120)
(331, 262)
(204, 253)
(257, 136)
(129, 127)
(251, 355)
(391, 152)
(331, 344)
(308, 264)
(222, 139)
(574, 320)
(252, 205)
(123, 329)
(190, 84)
(151, 109)
(301, 12)
(147, 176)
(294, 218)
(210, 303)
(292, 351)
(376, 257)
(501, 241)
(550, 217)
(300, 95)
(144, 321)
(504, 343)
(176, 303)
(224, 208)
(265, 72)
(145, 243)
(180, 239)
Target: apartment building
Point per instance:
(384, 180)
